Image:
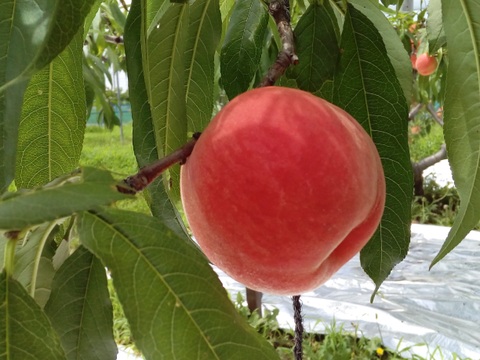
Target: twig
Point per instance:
(280, 11)
(414, 111)
(124, 5)
(149, 173)
(432, 112)
(114, 39)
(422, 165)
(297, 316)
(425, 163)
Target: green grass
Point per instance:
(425, 138)
(105, 149)
(437, 207)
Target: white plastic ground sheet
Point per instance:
(436, 308)
(440, 307)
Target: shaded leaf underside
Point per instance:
(80, 309)
(462, 114)
(26, 332)
(366, 87)
(175, 304)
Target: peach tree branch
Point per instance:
(280, 11)
(431, 160)
(149, 173)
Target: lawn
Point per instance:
(107, 150)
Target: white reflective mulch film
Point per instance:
(436, 308)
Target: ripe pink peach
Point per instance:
(282, 189)
(426, 64)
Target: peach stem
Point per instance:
(149, 173)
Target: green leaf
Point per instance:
(367, 88)
(26, 332)
(143, 136)
(80, 309)
(91, 15)
(32, 34)
(33, 263)
(152, 12)
(271, 44)
(396, 52)
(69, 17)
(53, 120)
(77, 192)
(144, 142)
(97, 84)
(117, 15)
(435, 33)
(225, 8)
(316, 43)
(462, 114)
(204, 33)
(33, 257)
(165, 79)
(173, 300)
(10, 112)
(242, 48)
(23, 37)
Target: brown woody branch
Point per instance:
(431, 160)
(280, 11)
(414, 111)
(422, 165)
(434, 114)
(124, 5)
(114, 39)
(149, 173)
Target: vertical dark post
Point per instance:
(297, 316)
(254, 301)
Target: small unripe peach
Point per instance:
(282, 189)
(426, 64)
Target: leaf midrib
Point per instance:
(195, 47)
(49, 120)
(84, 303)
(159, 276)
(171, 71)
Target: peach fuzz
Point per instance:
(282, 189)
